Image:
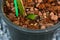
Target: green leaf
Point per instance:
(31, 16)
(20, 7)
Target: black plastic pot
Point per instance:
(18, 33)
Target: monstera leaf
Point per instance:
(31, 16)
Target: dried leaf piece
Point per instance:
(20, 7)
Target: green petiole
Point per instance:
(16, 7)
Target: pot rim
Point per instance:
(26, 29)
